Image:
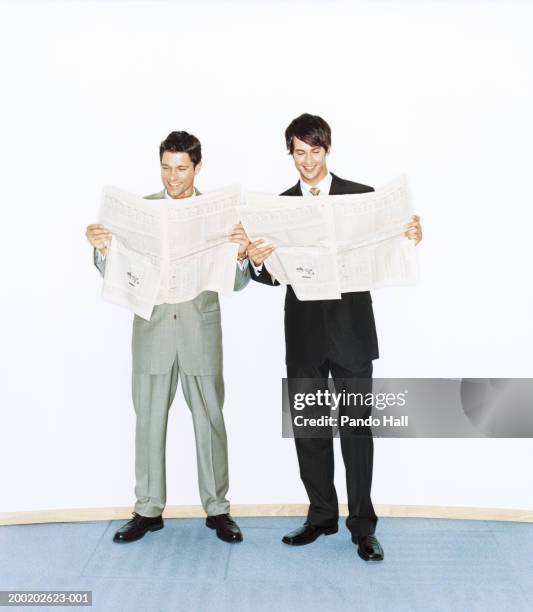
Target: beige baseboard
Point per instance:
(390, 510)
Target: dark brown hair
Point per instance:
(182, 142)
(312, 129)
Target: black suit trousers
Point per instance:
(315, 454)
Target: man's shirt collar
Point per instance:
(324, 185)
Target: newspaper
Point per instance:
(329, 245)
(168, 250)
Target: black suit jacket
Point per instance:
(342, 330)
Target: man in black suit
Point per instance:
(324, 337)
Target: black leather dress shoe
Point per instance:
(137, 527)
(227, 528)
(307, 533)
(369, 548)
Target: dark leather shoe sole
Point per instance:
(325, 531)
(233, 538)
(366, 557)
(117, 537)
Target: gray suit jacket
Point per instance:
(194, 327)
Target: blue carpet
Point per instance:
(430, 565)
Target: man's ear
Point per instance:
(197, 168)
(327, 152)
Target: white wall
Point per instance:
(441, 91)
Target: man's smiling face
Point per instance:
(178, 173)
(310, 161)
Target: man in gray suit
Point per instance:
(184, 339)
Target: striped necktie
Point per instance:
(314, 191)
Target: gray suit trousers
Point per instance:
(152, 397)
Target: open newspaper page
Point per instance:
(372, 249)
(168, 250)
(133, 263)
(328, 245)
(200, 255)
(300, 230)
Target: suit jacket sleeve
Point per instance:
(242, 277)
(263, 277)
(99, 261)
